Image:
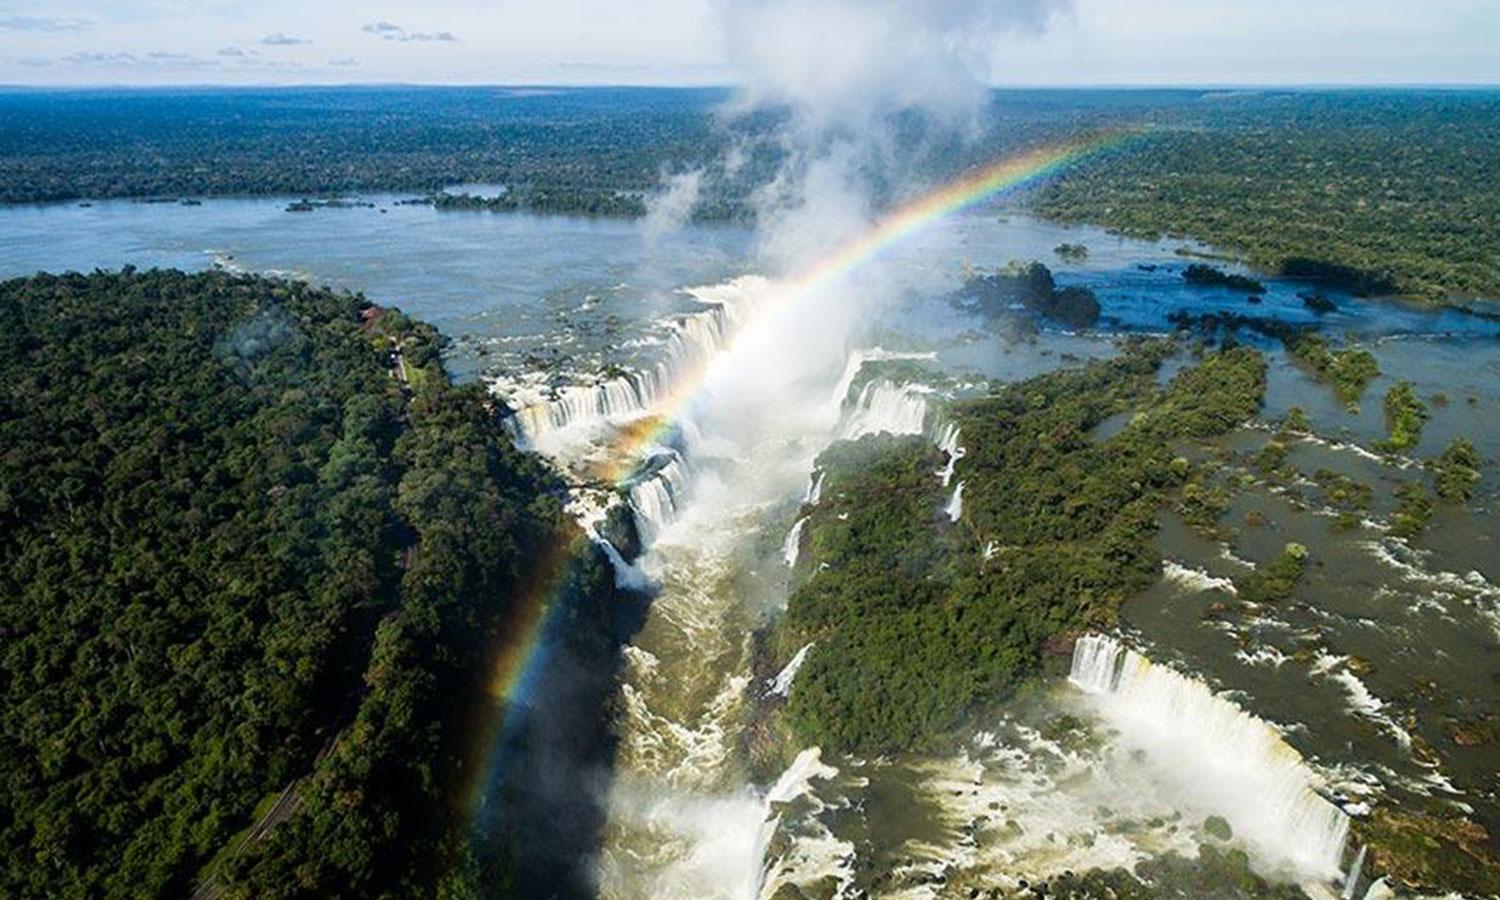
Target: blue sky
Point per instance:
(683, 42)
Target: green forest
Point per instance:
(258, 546)
(932, 618)
(1376, 192)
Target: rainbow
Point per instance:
(977, 186)
(521, 658)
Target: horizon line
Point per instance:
(689, 86)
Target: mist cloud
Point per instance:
(848, 61)
(846, 76)
(842, 108)
(671, 206)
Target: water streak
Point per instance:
(793, 545)
(781, 685)
(955, 507)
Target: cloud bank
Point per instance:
(390, 31)
(43, 24)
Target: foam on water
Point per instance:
(1019, 806)
(1194, 580)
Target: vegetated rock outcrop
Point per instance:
(1031, 286)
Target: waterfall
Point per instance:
(613, 399)
(814, 489)
(857, 361)
(628, 576)
(793, 543)
(781, 685)
(658, 496)
(795, 782)
(1230, 763)
(948, 443)
(883, 406)
(689, 341)
(955, 506)
(1351, 883)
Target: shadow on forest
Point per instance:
(546, 806)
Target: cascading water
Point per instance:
(781, 685)
(948, 443)
(793, 543)
(627, 575)
(1351, 882)
(955, 507)
(885, 407)
(814, 490)
(689, 341)
(1229, 762)
(657, 498)
(684, 818)
(857, 361)
(613, 399)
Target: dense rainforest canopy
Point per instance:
(1377, 192)
(256, 545)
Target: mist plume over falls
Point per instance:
(846, 74)
(860, 94)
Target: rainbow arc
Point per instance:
(519, 662)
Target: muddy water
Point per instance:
(1387, 646)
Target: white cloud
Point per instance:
(43, 24)
(390, 31)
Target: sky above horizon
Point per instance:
(683, 42)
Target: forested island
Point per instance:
(933, 617)
(258, 551)
(1028, 285)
